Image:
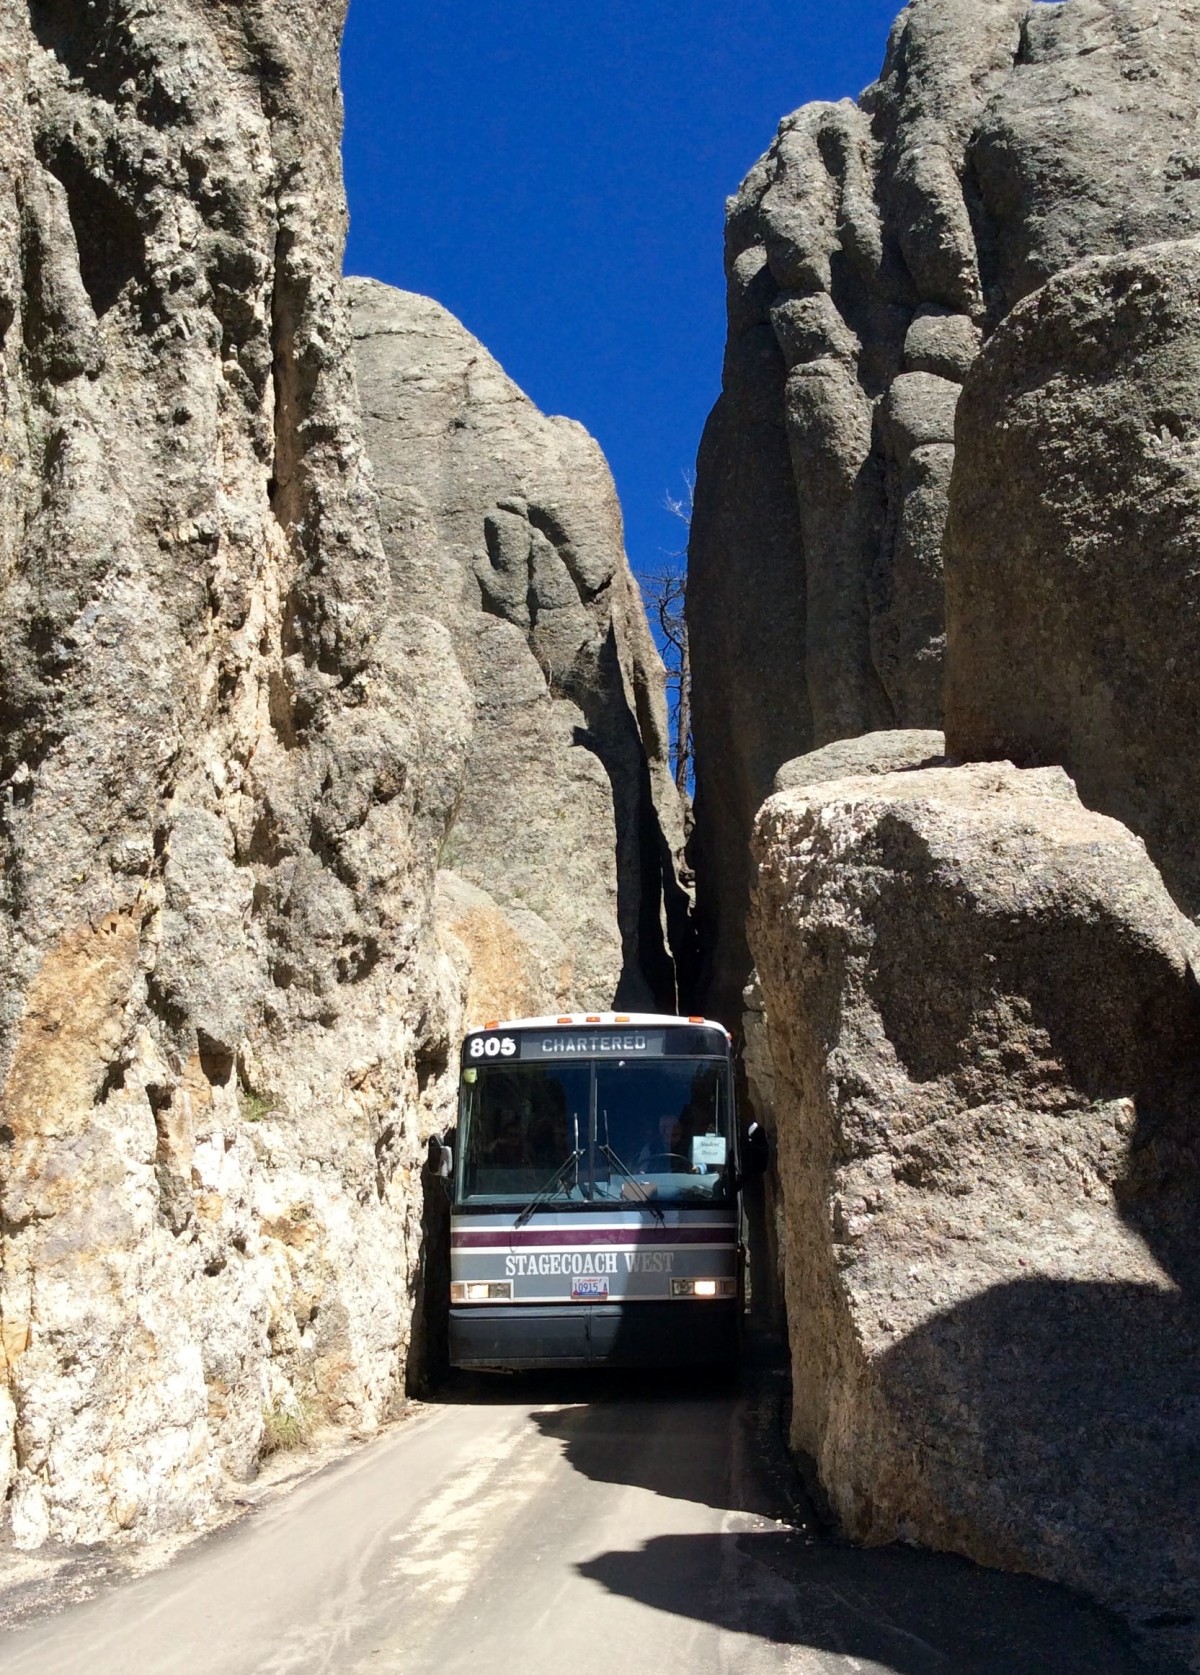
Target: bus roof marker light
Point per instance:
(592, 1019)
(695, 1020)
(564, 1020)
(492, 1023)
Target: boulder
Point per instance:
(1073, 568)
(1089, 147)
(983, 1018)
(874, 753)
(504, 525)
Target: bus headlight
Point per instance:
(481, 1291)
(704, 1288)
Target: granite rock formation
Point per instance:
(227, 762)
(561, 861)
(1073, 600)
(869, 254)
(984, 1030)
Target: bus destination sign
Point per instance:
(608, 1041)
(592, 1043)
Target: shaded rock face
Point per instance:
(504, 525)
(868, 255)
(984, 1027)
(1073, 607)
(227, 760)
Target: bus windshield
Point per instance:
(611, 1132)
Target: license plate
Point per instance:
(589, 1291)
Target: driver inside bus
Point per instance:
(666, 1149)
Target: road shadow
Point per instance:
(899, 1608)
(691, 1436)
(894, 1608)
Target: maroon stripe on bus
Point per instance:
(569, 1238)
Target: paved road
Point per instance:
(574, 1528)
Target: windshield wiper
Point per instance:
(643, 1193)
(551, 1187)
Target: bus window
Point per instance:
(519, 1125)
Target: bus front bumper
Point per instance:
(515, 1335)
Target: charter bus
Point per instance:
(595, 1213)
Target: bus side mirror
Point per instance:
(441, 1158)
(756, 1151)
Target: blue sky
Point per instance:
(555, 172)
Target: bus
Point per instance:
(595, 1214)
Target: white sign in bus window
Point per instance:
(708, 1149)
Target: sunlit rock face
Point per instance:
(228, 758)
(869, 254)
(983, 1026)
(560, 867)
(1073, 604)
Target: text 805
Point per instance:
(492, 1047)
